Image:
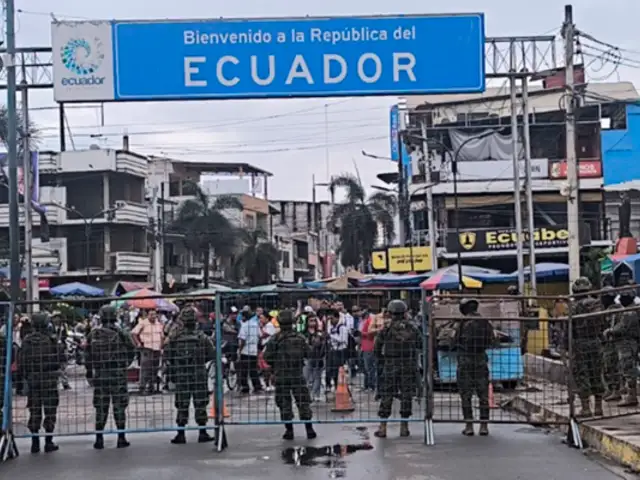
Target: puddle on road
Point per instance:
(330, 456)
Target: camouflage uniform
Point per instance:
(610, 363)
(109, 377)
(625, 334)
(397, 345)
(586, 351)
(286, 352)
(40, 360)
(187, 355)
(474, 335)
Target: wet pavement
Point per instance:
(512, 452)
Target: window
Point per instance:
(249, 221)
(286, 258)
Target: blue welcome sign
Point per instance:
(268, 58)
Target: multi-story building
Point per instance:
(172, 181)
(479, 222)
(97, 215)
(314, 245)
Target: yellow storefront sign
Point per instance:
(379, 260)
(409, 259)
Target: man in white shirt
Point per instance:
(248, 347)
(338, 339)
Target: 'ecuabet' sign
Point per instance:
(268, 58)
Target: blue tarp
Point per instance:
(393, 280)
(76, 289)
(545, 271)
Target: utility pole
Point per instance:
(157, 260)
(28, 186)
(528, 187)
(431, 214)
(516, 170)
(403, 231)
(12, 153)
(573, 206)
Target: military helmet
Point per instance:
(285, 318)
(108, 314)
(40, 321)
(580, 285)
(608, 292)
(468, 301)
(628, 294)
(188, 316)
(397, 307)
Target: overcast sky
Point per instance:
(287, 137)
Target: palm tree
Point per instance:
(356, 220)
(258, 261)
(205, 228)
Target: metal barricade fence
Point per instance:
(343, 385)
(479, 376)
(342, 379)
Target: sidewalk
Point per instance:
(616, 438)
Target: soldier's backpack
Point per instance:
(186, 351)
(106, 348)
(39, 355)
(400, 340)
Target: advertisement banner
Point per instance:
(505, 239)
(494, 170)
(586, 169)
(401, 260)
(268, 58)
(394, 125)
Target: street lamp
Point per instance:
(88, 223)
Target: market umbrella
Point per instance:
(76, 289)
(447, 280)
(138, 299)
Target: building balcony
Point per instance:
(98, 160)
(130, 263)
(300, 264)
(131, 213)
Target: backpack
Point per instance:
(40, 354)
(186, 350)
(400, 340)
(105, 347)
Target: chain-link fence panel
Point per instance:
(477, 351)
(310, 356)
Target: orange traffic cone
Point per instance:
(344, 403)
(492, 400)
(225, 412)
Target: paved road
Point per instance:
(510, 453)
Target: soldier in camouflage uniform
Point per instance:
(626, 334)
(40, 360)
(397, 345)
(474, 335)
(109, 353)
(610, 363)
(187, 355)
(586, 359)
(286, 352)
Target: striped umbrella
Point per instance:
(448, 280)
(139, 299)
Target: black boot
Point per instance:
(204, 437)
(122, 441)
(311, 433)
(288, 433)
(180, 438)
(35, 444)
(49, 446)
(99, 443)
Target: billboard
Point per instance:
(586, 169)
(493, 170)
(401, 260)
(267, 58)
(486, 240)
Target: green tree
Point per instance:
(356, 220)
(258, 260)
(205, 228)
